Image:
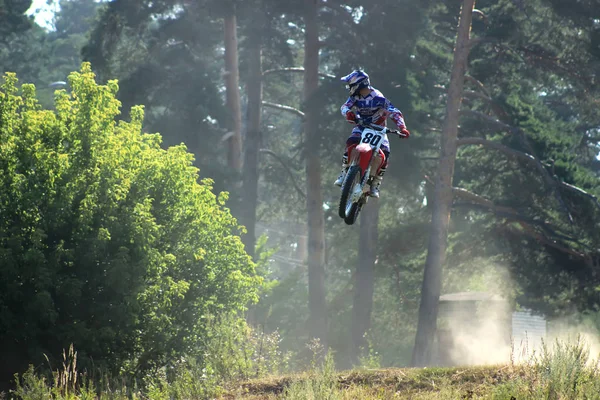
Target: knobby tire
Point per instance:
(347, 191)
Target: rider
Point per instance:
(368, 105)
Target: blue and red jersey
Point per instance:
(375, 106)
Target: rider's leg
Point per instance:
(340, 178)
(352, 141)
(378, 178)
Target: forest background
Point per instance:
(140, 265)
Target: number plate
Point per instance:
(372, 137)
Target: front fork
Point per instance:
(374, 163)
(359, 193)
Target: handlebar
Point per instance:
(378, 127)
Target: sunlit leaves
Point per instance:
(110, 238)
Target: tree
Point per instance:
(166, 56)
(107, 241)
(43, 57)
(528, 124)
(232, 87)
(13, 19)
(442, 199)
(253, 135)
(314, 196)
(529, 96)
(341, 50)
(20, 45)
(364, 282)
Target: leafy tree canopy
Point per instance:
(107, 241)
(13, 18)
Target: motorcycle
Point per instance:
(365, 157)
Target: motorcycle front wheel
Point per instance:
(353, 214)
(348, 210)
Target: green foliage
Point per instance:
(167, 56)
(13, 19)
(321, 384)
(536, 61)
(107, 241)
(564, 371)
(44, 56)
(232, 353)
(32, 387)
(371, 358)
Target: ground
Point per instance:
(427, 383)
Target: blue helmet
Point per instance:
(356, 80)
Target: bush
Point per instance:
(107, 241)
(232, 352)
(564, 371)
(322, 383)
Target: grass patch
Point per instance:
(427, 383)
(564, 371)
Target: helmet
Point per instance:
(356, 80)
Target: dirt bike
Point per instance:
(366, 156)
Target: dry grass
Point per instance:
(428, 383)
(564, 371)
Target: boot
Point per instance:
(375, 183)
(340, 180)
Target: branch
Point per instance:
(227, 135)
(555, 64)
(526, 223)
(482, 201)
(481, 15)
(478, 84)
(503, 211)
(475, 41)
(580, 191)
(496, 146)
(477, 95)
(294, 69)
(490, 120)
(444, 40)
(514, 216)
(527, 158)
(284, 108)
(286, 168)
(546, 241)
(523, 139)
(495, 107)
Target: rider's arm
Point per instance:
(346, 110)
(347, 106)
(394, 114)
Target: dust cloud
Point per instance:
(485, 336)
(474, 323)
(479, 336)
(576, 329)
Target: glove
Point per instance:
(404, 133)
(351, 117)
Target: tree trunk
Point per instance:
(442, 197)
(234, 154)
(253, 137)
(314, 196)
(364, 279)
